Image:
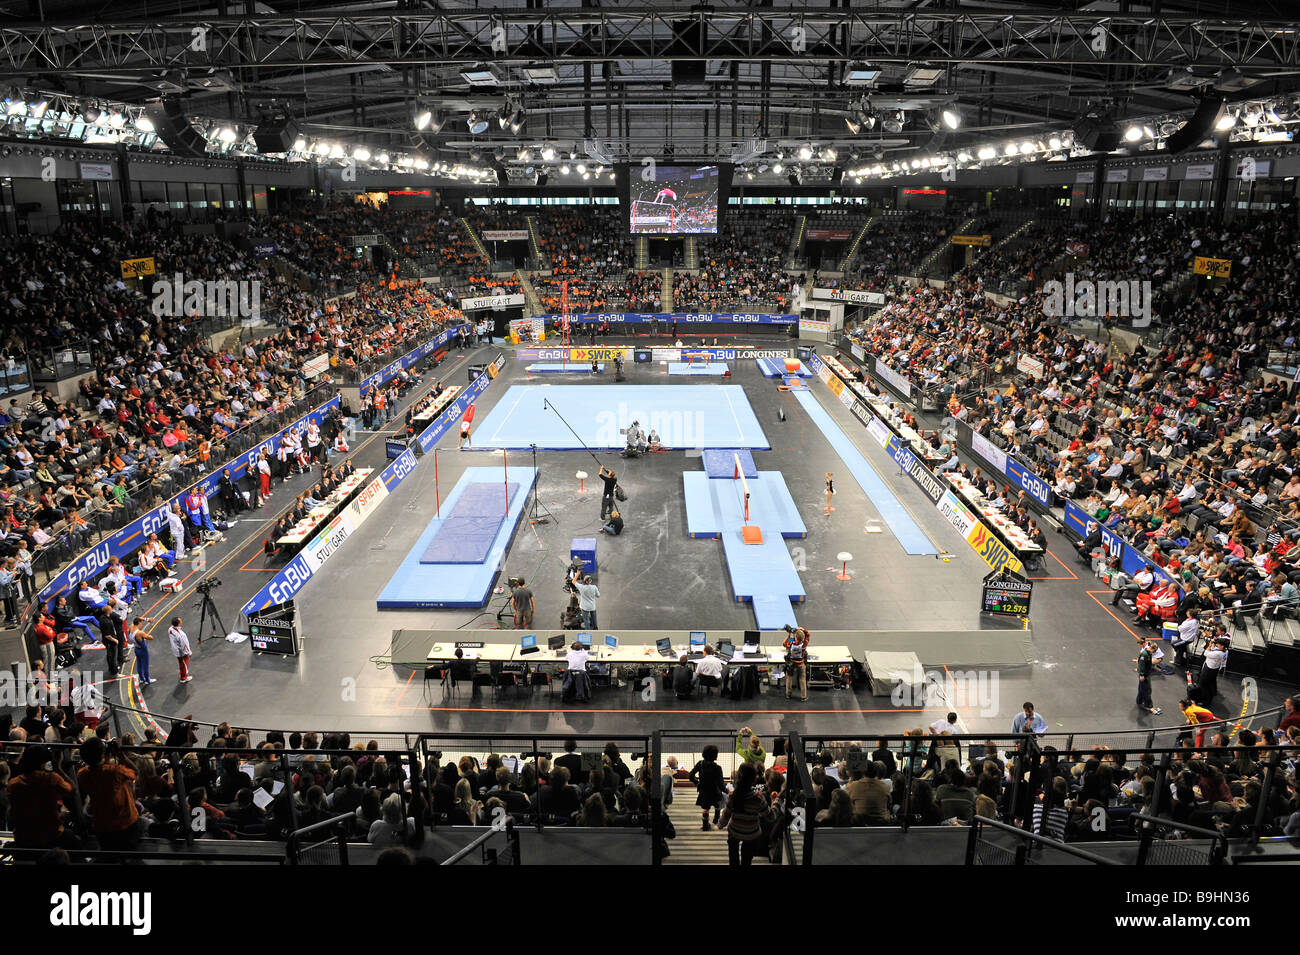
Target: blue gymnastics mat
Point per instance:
(773, 613)
(722, 463)
(467, 532)
(685, 416)
(418, 585)
(715, 509)
(895, 515)
(775, 368)
(697, 368)
(572, 368)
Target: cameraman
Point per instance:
(610, 479)
(796, 660)
(521, 600)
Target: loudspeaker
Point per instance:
(277, 136)
(175, 130)
(1198, 127)
(1099, 135)
(688, 40)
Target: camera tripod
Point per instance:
(209, 616)
(538, 513)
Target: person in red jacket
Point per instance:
(1292, 717)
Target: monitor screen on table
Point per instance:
(698, 637)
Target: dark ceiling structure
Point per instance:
(726, 81)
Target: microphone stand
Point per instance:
(547, 404)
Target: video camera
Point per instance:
(514, 582)
(205, 586)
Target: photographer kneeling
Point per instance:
(615, 525)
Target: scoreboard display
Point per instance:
(275, 631)
(1006, 594)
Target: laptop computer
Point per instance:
(726, 649)
(585, 640)
(611, 641)
(665, 646)
(557, 643)
(528, 643)
(698, 638)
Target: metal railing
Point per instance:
(489, 853)
(1027, 848)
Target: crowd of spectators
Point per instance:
(1215, 782)
(1181, 445)
(897, 244)
(159, 400)
(128, 788)
(741, 269)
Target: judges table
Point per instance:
(606, 661)
(880, 407)
(424, 417)
(317, 516)
(1010, 532)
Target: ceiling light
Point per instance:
(829, 153)
(805, 151)
(477, 123)
(480, 75)
(586, 175)
(777, 168)
(963, 157)
(548, 153)
(92, 115)
(1148, 132)
(144, 124)
(1054, 142)
(16, 107)
(582, 167)
(922, 76)
(361, 153)
(382, 158)
(1026, 148)
(422, 163)
(1133, 134)
(860, 74)
(1011, 149)
(1226, 121)
(336, 151)
(854, 124)
(423, 118)
(916, 164)
(951, 118)
(564, 170)
(299, 144)
(227, 134)
(1252, 115)
(541, 73)
(404, 160)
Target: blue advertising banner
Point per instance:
(385, 374)
(127, 539)
(685, 318)
(1035, 486)
(1131, 559)
(264, 249)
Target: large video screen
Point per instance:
(677, 200)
